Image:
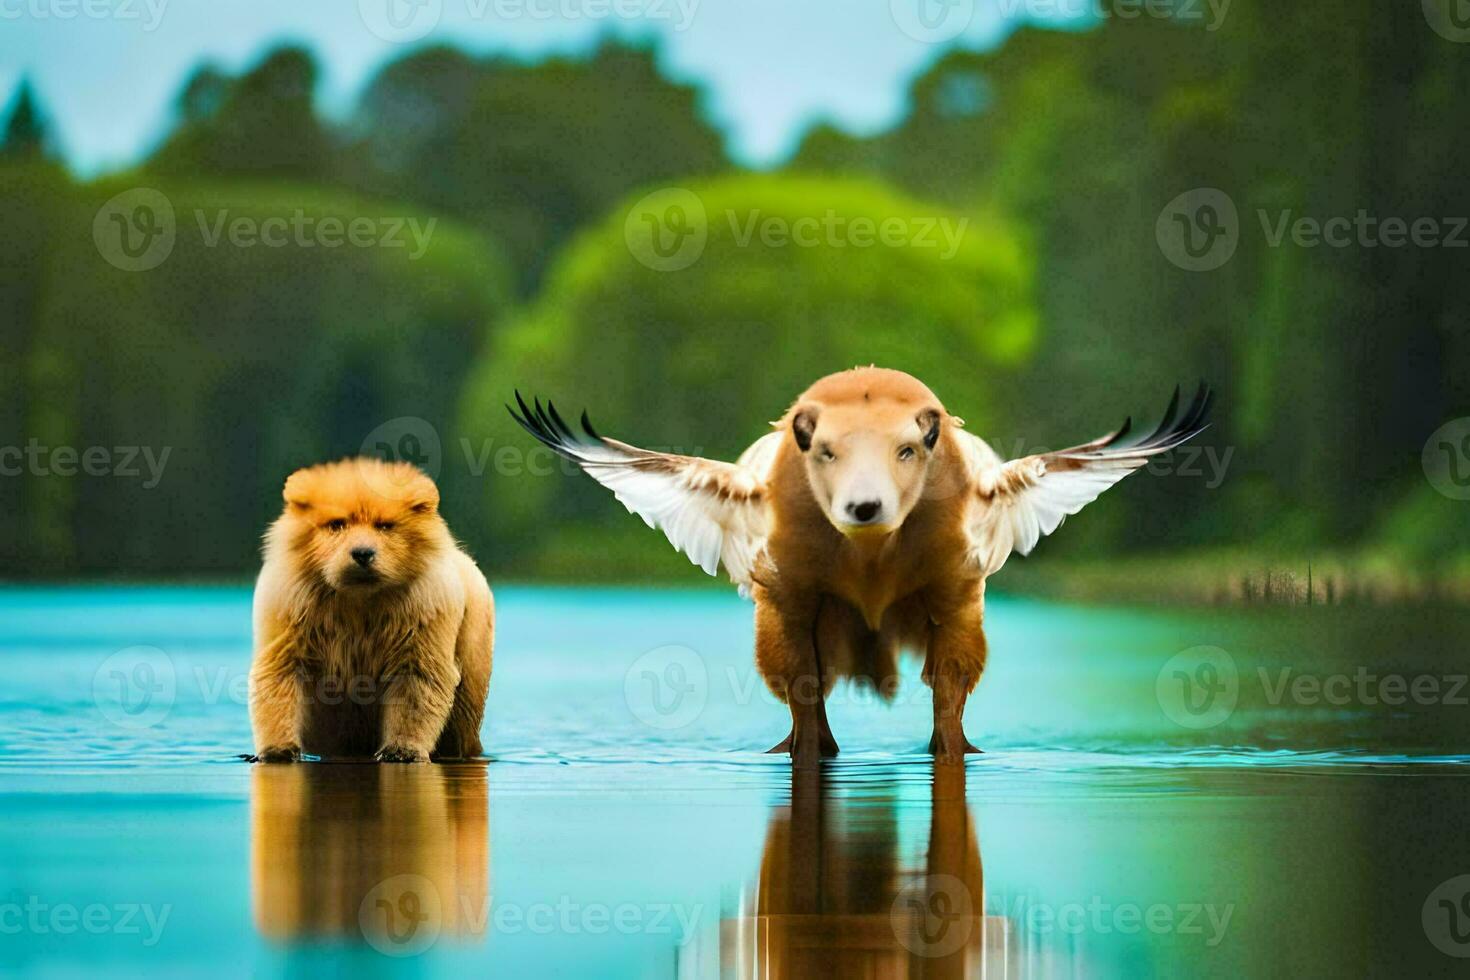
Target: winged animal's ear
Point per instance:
(929, 420)
(803, 427)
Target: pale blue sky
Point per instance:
(108, 70)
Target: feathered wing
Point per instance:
(711, 511)
(1015, 503)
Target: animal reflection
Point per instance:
(836, 896)
(395, 855)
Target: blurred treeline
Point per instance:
(1056, 315)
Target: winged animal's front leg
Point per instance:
(786, 655)
(956, 658)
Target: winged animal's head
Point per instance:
(869, 440)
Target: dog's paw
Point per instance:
(401, 753)
(276, 753)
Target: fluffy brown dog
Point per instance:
(373, 630)
(865, 524)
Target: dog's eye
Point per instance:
(384, 525)
(336, 525)
(906, 453)
(826, 455)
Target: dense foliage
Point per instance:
(1057, 311)
(699, 359)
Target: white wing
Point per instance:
(711, 511)
(1015, 503)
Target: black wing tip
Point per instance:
(541, 425)
(1167, 423)
(1173, 429)
(1120, 435)
(524, 418)
(559, 422)
(1179, 428)
(548, 426)
(587, 427)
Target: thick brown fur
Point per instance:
(385, 656)
(833, 603)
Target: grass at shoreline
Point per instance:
(1242, 578)
(1198, 578)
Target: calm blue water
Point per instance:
(1216, 792)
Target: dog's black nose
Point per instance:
(364, 556)
(863, 512)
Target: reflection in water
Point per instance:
(836, 898)
(395, 855)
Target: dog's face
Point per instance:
(867, 463)
(360, 525)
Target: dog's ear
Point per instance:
(297, 491)
(424, 497)
(929, 420)
(408, 486)
(803, 427)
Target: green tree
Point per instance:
(262, 124)
(700, 358)
(528, 152)
(27, 136)
(242, 360)
(1331, 362)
